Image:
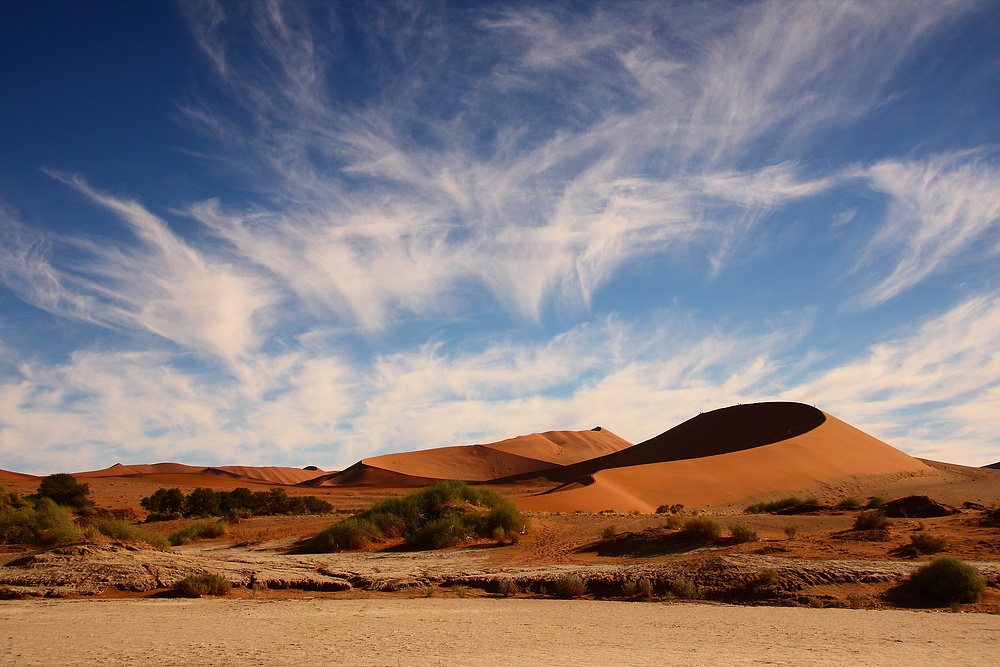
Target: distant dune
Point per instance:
(273, 475)
(523, 455)
(717, 458)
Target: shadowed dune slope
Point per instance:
(523, 455)
(779, 446)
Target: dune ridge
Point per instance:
(749, 449)
(522, 455)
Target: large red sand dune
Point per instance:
(523, 455)
(724, 456)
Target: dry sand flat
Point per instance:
(475, 632)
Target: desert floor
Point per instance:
(480, 632)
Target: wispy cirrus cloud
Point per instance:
(932, 391)
(393, 202)
(940, 210)
(154, 282)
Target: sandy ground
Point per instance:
(480, 632)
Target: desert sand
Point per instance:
(477, 632)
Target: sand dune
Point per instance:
(278, 475)
(724, 456)
(186, 475)
(523, 455)
(122, 470)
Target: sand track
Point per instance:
(477, 632)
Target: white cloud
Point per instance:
(157, 282)
(931, 392)
(941, 209)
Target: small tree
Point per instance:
(202, 502)
(164, 502)
(63, 489)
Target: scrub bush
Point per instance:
(946, 580)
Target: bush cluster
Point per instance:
(202, 529)
(435, 517)
(741, 534)
(871, 520)
(776, 506)
(684, 588)
(196, 585)
(570, 586)
(41, 522)
(167, 504)
(123, 531)
(925, 543)
(702, 530)
(947, 580)
(676, 508)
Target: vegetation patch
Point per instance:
(444, 515)
(41, 522)
(123, 531)
(240, 503)
(684, 588)
(925, 543)
(789, 505)
(871, 520)
(570, 586)
(946, 580)
(702, 530)
(740, 534)
(203, 529)
(197, 585)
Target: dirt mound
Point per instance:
(916, 507)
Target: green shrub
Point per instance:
(875, 502)
(644, 587)
(783, 504)
(123, 531)
(46, 523)
(925, 543)
(702, 530)
(352, 534)
(849, 504)
(435, 517)
(609, 533)
(740, 534)
(947, 579)
(508, 588)
(203, 529)
(196, 585)
(570, 586)
(871, 520)
(10, 499)
(671, 509)
(766, 577)
(630, 588)
(791, 532)
(684, 588)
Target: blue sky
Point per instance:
(300, 233)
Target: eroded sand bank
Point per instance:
(473, 632)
